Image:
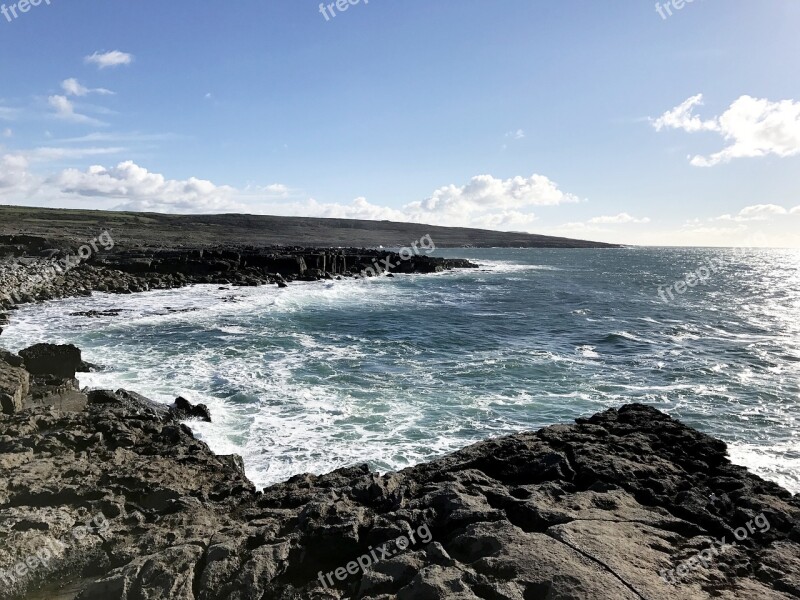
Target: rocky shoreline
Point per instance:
(107, 495)
(36, 269)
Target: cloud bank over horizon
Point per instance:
(484, 202)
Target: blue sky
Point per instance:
(594, 120)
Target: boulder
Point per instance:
(184, 410)
(50, 359)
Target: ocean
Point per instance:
(397, 371)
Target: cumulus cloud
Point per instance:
(14, 175)
(483, 202)
(72, 87)
(127, 186)
(621, 218)
(139, 189)
(104, 60)
(485, 197)
(759, 212)
(64, 109)
(359, 208)
(489, 203)
(762, 211)
(753, 127)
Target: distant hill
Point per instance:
(150, 229)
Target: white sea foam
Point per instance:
(395, 371)
(498, 266)
(779, 463)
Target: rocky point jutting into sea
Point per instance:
(106, 494)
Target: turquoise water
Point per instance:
(397, 371)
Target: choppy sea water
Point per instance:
(396, 371)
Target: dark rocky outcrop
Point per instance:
(61, 361)
(595, 510)
(130, 270)
(186, 411)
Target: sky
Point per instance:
(675, 123)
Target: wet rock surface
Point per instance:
(595, 510)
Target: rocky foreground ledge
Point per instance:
(107, 495)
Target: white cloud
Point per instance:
(64, 109)
(104, 60)
(779, 231)
(129, 186)
(758, 212)
(62, 106)
(484, 202)
(8, 132)
(139, 189)
(753, 127)
(621, 218)
(359, 208)
(72, 87)
(14, 176)
(519, 134)
(479, 202)
(277, 189)
(761, 212)
(681, 117)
